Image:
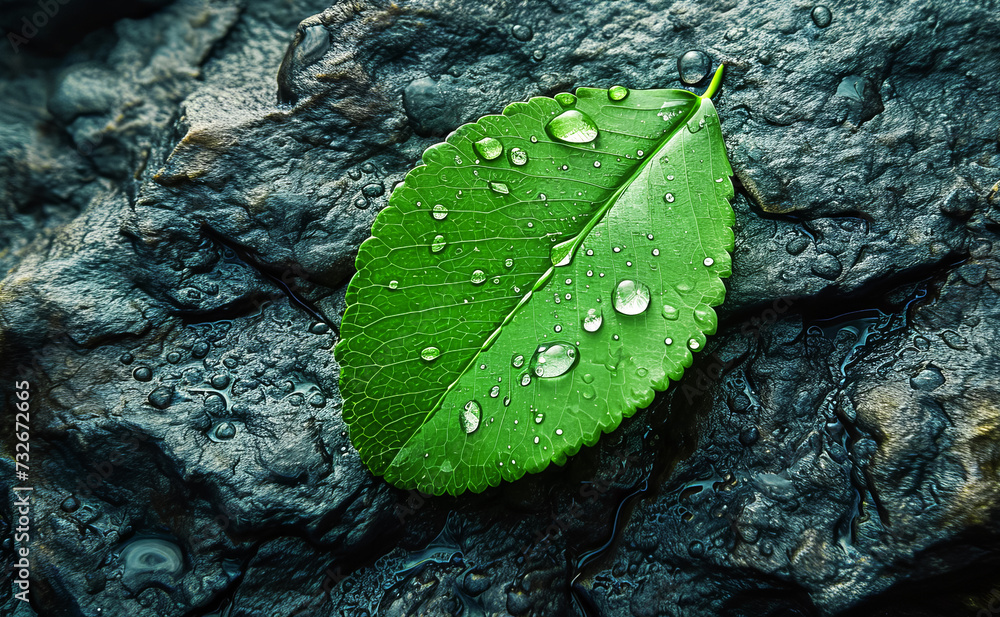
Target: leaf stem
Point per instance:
(716, 82)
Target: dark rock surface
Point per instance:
(183, 188)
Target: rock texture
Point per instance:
(184, 185)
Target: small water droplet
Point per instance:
(393, 284)
(542, 196)
(617, 249)
(554, 359)
(539, 418)
(430, 353)
(478, 277)
(222, 431)
(631, 297)
(525, 379)
(656, 252)
(565, 99)
(470, 417)
(517, 361)
(588, 378)
(533, 139)
(488, 148)
(617, 93)
(693, 344)
(558, 431)
(538, 55)
(537, 440)
(558, 329)
(509, 262)
(693, 67)
(572, 126)
(670, 313)
(439, 212)
(705, 317)
(669, 198)
(494, 391)
(142, 373)
(506, 401)
(592, 322)
(640, 153)
(668, 341)
(438, 244)
(708, 261)
(822, 16)
(499, 187)
(517, 156)
(590, 252)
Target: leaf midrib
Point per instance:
(547, 275)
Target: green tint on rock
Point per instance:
(572, 308)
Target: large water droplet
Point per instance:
(572, 126)
(704, 316)
(151, 559)
(553, 360)
(499, 187)
(822, 16)
(478, 277)
(517, 156)
(438, 244)
(592, 322)
(430, 353)
(631, 297)
(439, 212)
(469, 419)
(617, 93)
(565, 99)
(489, 148)
(393, 284)
(670, 313)
(693, 66)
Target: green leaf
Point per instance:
(533, 282)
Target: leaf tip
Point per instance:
(716, 82)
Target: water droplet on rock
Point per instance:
(522, 33)
(822, 16)
(223, 431)
(631, 297)
(142, 373)
(693, 67)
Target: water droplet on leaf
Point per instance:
(438, 244)
(517, 156)
(489, 148)
(617, 93)
(592, 322)
(565, 99)
(572, 126)
(478, 276)
(439, 212)
(430, 353)
(470, 416)
(554, 359)
(631, 297)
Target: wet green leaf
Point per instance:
(533, 282)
